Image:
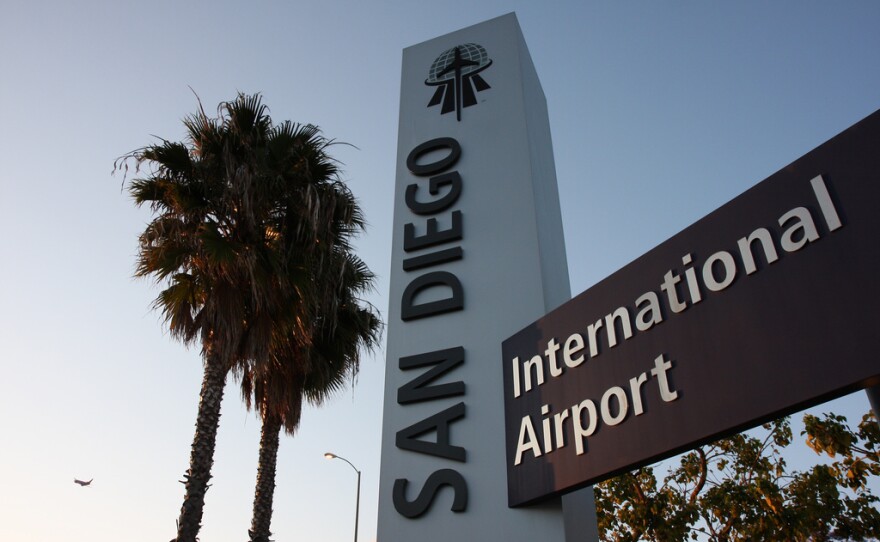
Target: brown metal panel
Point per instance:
(794, 333)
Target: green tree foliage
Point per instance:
(740, 488)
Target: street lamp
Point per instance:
(357, 506)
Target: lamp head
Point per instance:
(328, 455)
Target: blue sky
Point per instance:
(660, 112)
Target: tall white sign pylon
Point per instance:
(478, 254)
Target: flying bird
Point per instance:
(81, 482)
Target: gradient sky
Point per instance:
(660, 111)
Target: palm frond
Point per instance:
(253, 240)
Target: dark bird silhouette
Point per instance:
(82, 483)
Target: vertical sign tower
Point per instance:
(478, 253)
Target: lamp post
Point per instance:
(357, 506)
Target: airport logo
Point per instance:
(455, 73)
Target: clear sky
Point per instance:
(660, 111)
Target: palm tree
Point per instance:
(342, 328)
(238, 221)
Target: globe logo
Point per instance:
(455, 73)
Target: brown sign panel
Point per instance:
(764, 307)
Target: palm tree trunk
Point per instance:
(269, 439)
(202, 456)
